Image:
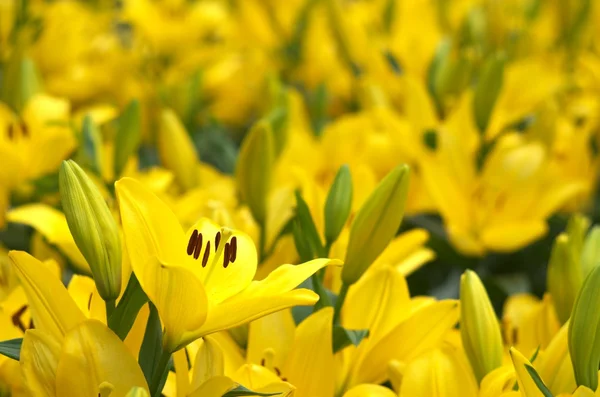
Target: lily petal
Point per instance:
(52, 224)
(39, 361)
(424, 330)
(270, 339)
(53, 310)
(264, 297)
(179, 298)
(310, 365)
(368, 390)
(209, 362)
(214, 387)
(150, 227)
(92, 355)
(527, 385)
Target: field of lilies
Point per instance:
(309, 198)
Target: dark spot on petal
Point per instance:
(90, 301)
(25, 129)
(262, 362)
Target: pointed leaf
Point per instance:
(242, 391)
(343, 337)
(11, 348)
(124, 316)
(128, 136)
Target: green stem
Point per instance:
(262, 242)
(157, 377)
(339, 303)
(110, 308)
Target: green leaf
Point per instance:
(488, 88)
(128, 137)
(538, 381)
(242, 391)
(343, 337)
(90, 151)
(123, 317)
(151, 348)
(11, 348)
(305, 232)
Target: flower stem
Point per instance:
(110, 308)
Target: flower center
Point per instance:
(225, 245)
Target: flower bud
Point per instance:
(93, 228)
(479, 328)
(177, 151)
(590, 254)
(376, 223)
(488, 88)
(584, 335)
(338, 204)
(564, 277)
(254, 169)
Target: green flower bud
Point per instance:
(176, 150)
(479, 328)
(564, 277)
(590, 254)
(376, 224)
(584, 332)
(21, 81)
(254, 169)
(338, 204)
(488, 88)
(137, 392)
(128, 137)
(93, 228)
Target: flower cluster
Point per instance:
(311, 198)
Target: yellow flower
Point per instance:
(42, 125)
(201, 282)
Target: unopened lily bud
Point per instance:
(93, 228)
(209, 361)
(564, 277)
(376, 223)
(21, 81)
(488, 89)
(479, 328)
(584, 335)
(254, 169)
(176, 150)
(338, 204)
(590, 254)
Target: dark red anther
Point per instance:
(217, 241)
(233, 250)
(206, 254)
(198, 246)
(226, 256)
(192, 242)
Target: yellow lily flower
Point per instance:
(302, 355)
(90, 361)
(395, 318)
(440, 372)
(43, 123)
(201, 282)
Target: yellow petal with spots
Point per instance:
(53, 309)
(226, 259)
(92, 355)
